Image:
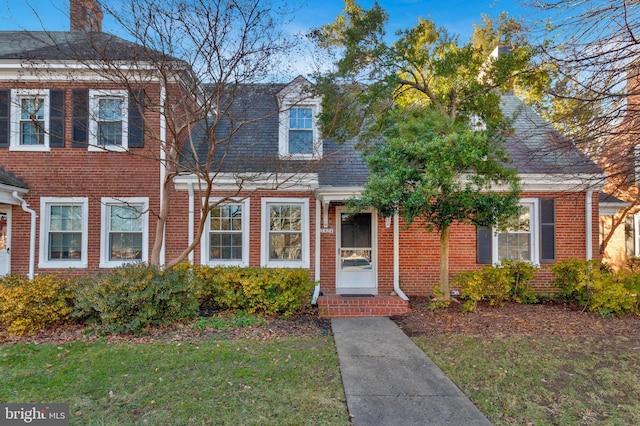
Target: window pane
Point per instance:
(300, 118)
(285, 246)
(301, 142)
(32, 109)
(65, 246)
(110, 109)
(355, 230)
(226, 218)
(285, 217)
(32, 133)
(126, 218)
(65, 218)
(125, 246)
(110, 133)
(514, 246)
(225, 246)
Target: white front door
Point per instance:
(357, 257)
(5, 223)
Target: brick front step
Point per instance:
(333, 306)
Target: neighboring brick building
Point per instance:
(80, 181)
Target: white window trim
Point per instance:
(306, 232)
(45, 221)
(204, 242)
(105, 202)
(283, 133)
(534, 225)
(636, 234)
(16, 112)
(94, 97)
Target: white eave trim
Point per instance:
(539, 182)
(337, 194)
(6, 192)
(611, 209)
(252, 181)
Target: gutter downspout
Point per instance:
(316, 290)
(589, 224)
(32, 237)
(191, 219)
(163, 159)
(396, 258)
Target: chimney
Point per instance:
(86, 15)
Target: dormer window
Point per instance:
(299, 137)
(301, 131)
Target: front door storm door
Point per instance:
(356, 253)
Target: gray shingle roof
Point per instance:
(254, 148)
(534, 145)
(9, 179)
(65, 45)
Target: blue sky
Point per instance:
(457, 16)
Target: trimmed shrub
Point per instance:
(610, 297)
(574, 279)
(254, 290)
(594, 286)
(27, 306)
(135, 296)
(488, 283)
(509, 280)
(520, 274)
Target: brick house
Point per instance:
(283, 186)
(619, 157)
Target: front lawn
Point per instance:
(550, 364)
(249, 382)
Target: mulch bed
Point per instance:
(549, 318)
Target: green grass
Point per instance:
(544, 380)
(242, 382)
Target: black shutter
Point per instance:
(5, 117)
(136, 119)
(547, 230)
(56, 118)
(80, 119)
(483, 245)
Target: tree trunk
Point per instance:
(444, 262)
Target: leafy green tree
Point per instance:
(426, 110)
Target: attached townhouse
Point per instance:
(80, 184)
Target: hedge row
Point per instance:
(135, 296)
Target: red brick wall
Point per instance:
(420, 250)
(76, 172)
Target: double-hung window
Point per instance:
(30, 120)
(529, 237)
(518, 240)
(298, 131)
(301, 131)
(108, 120)
(63, 236)
(124, 231)
(285, 240)
(227, 235)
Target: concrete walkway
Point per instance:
(388, 380)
